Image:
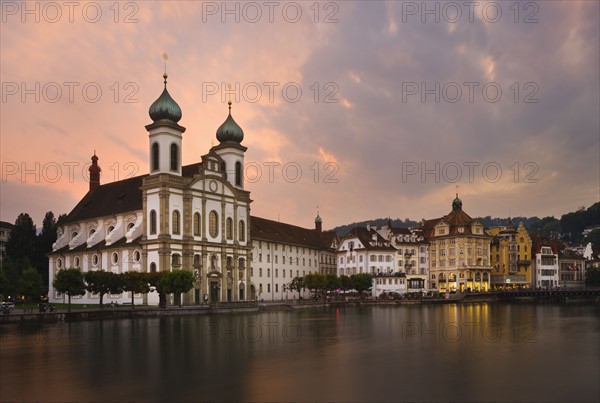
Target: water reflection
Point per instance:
(477, 352)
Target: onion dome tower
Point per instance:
(230, 136)
(165, 134)
(94, 170)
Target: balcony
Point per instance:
(524, 262)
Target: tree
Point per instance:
(135, 282)
(593, 237)
(361, 282)
(177, 282)
(103, 282)
(31, 283)
(12, 271)
(297, 284)
(345, 283)
(315, 281)
(44, 243)
(22, 240)
(592, 277)
(155, 280)
(70, 282)
(332, 282)
(4, 284)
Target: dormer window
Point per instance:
(74, 235)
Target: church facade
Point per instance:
(194, 217)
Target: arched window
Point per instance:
(174, 157)
(155, 157)
(152, 222)
(229, 262)
(229, 228)
(152, 267)
(196, 260)
(224, 168)
(176, 227)
(197, 224)
(238, 173)
(115, 258)
(213, 225)
(242, 231)
(176, 260)
(241, 263)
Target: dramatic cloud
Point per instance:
(363, 109)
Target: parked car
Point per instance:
(8, 305)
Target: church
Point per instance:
(194, 217)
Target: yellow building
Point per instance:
(510, 256)
(459, 250)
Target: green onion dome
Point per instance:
(165, 107)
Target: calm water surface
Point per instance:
(483, 352)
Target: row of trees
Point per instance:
(27, 282)
(320, 284)
(73, 282)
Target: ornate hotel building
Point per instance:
(459, 251)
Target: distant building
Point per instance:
(388, 283)
(572, 269)
(510, 256)
(5, 230)
(586, 231)
(459, 252)
(545, 266)
(411, 255)
(364, 250)
(282, 251)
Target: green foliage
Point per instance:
(593, 237)
(69, 282)
(332, 282)
(345, 283)
(43, 245)
(573, 224)
(103, 282)
(4, 284)
(22, 240)
(297, 284)
(361, 282)
(177, 282)
(135, 282)
(31, 284)
(315, 281)
(592, 277)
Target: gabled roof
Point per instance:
(365, 236)
(6, 225)
(116, 197)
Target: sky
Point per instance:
(351, 109)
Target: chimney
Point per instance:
(94, 173)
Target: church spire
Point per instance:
(94, 170)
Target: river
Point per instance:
(464, 352)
